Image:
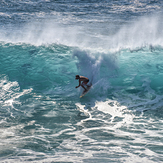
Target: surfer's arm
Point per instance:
(79, 84)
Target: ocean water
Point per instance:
(118, 45)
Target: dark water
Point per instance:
(118, 45)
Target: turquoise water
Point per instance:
(118, 45)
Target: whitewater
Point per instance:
(118, 45)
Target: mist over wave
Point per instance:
(142, 32)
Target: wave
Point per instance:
(133, 78)
(45, 66)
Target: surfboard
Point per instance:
(85, 92)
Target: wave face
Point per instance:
(118, 45)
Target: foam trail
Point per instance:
(10, 94)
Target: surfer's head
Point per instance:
(77, 77)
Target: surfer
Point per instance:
(84, 81)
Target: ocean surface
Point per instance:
(117, 44)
